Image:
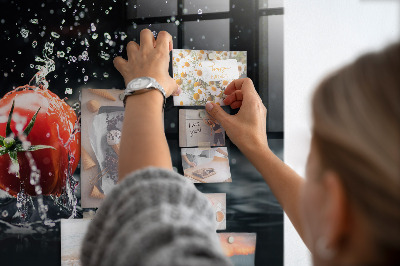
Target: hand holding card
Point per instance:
(247, 129)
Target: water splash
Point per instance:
(39, 79)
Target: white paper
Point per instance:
(218, 70)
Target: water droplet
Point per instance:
(34, 44)
(177, 23)
(48, 134)
(34, 21)
(107, 36)
(19, 52)
(63, 21)
(24, 32)
(48, 47)
(199, 11)
(60, 54)
(94, 36)
(4, 213)
(106, 75)
(72, 58)
(107, 12)
(191, 39)
(85, 78)
(104, 55)
(63, 9)
(55, 34)
(66, 80)
(93, 27)
(67, 91)
(123, 36)
(85, 56)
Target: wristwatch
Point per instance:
(141, 85)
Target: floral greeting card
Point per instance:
(203, 74)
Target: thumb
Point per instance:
(218, 113)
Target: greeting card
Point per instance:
(204, 74)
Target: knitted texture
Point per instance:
(154, 217)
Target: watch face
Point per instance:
(140, 83)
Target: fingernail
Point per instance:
(209, 106)
(179, 90)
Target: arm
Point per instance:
(147, 218)
(247, 129)
(143, 114)
(186, 159)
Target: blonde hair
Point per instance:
(356, 114)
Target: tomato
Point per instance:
(52, 137)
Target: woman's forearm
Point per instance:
(284, 183)
(143, 141)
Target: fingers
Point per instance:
(245, 85)
(236, 105)
(218, 113)
(236, 96)
(164, 41)
(147, 40)
(119, 63)
(131, 49)
(177, 92)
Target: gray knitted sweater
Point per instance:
(154, 217)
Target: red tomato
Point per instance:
(54, 126)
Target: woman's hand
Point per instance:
(150, 59)
(247, 129)
(192, 164)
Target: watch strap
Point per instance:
(154, 85)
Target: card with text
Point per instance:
(204, 74)
(197, 128)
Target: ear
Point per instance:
(336, 211)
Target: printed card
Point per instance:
(218, 201)
(204, 74)
(239, 247)
(197, 128)
(102, 117)
(206, 165)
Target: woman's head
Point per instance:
(354, 165)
